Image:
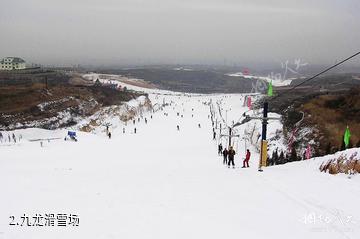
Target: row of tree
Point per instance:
(279, 157)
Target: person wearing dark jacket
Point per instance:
(231, 157)
(225, 155)
(220, 147)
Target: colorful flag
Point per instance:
(249, 102)
(270, 89)
(308, 152)
(347, 136)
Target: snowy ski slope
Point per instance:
(165, 183)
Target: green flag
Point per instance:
(347, 136)
(270, 89)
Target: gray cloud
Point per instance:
(183, 31)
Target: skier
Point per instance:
(231, 157)
(123, 130)
(220, 147)
(199, 125)
(178, 127)
(145, 121)
(247, 158)
(134, 130)
(109, 135)
(225, 155)
(214, 135)
(134, 121)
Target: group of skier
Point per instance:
(10, 138)
(229, 154)
(108, 132)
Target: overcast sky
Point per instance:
(179, 31)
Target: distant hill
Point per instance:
(327, 112)
(189, 80)
(50, 99)
(332, 82)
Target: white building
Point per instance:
(12, 63)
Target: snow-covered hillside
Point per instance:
(276, 81)
(167, 183)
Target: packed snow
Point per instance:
(161, 182)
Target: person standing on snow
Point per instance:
(225, 155)
(220, 147)
(247, 158)
(231, 157)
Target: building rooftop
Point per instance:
(13, 60)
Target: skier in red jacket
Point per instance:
(247, 158)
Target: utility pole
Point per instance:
(264, 118)
(263, 149)
(216, 123)
(230, 135)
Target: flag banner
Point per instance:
(249, 102)
(270, 89)
(347, 136)
(308, 152)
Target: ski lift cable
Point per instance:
(318, 74)
(311, 78)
